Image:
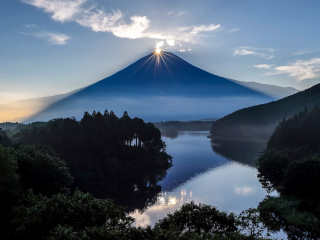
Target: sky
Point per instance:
(49, 47)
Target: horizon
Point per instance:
(54, 47)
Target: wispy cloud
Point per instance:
(201, 28)
(234, 30)
(306, 51)
(300, 69)
(243, 52)
(177, 14)
(30, 25)
(266, 53)
(52, 38)
(61, 10)
(263, 66)
(100, 21)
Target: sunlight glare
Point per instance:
(158, 51)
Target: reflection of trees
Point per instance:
(170, 133)
(134, 190)
(243, 151)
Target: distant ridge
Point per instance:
(260, 121)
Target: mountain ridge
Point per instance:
(259, 121)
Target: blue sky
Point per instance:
(49, 47)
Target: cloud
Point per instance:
(233, 30)
(177, 14)
(244, 190)
(201, 28)
(181, 13)
(300, 69)
(306, 51)
(263, 66)
(57, 38)
(52, 38)
(30, 25)
(159, 44)
(243, 52)
(100, 21)
(266, 53)
(62, 10)
(171, 42)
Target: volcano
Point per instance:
(158, 87)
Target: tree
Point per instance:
(77, 213)
(194, 221)
(42, 170)
(9, 185)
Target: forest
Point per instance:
(291, 165)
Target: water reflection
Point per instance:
(202, 174)
(192, 155)
(232, 187)
(240, 150)
(135, 190)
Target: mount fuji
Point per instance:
(160, 87)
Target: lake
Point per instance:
(218, 172)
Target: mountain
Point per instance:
(260, 121)
(156, 88)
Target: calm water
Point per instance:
(219, 174)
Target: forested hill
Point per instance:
(260, 121)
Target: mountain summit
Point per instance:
(158, 87)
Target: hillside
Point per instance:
(260, 121)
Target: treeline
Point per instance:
(100, 141)
(260, 121)
(9, 125)
(291, 165)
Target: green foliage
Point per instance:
(291, 164)
(196, 222)
(4, 139)
(42, 170)
(302, 178)
(289, 214)
(303, 129)
(9, 185)
(75, 212)
(272, 166)
(283, 165)
(251, 224)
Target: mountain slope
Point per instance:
(158, 88)
(271, 90)
(20, 110)
(260, 121)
